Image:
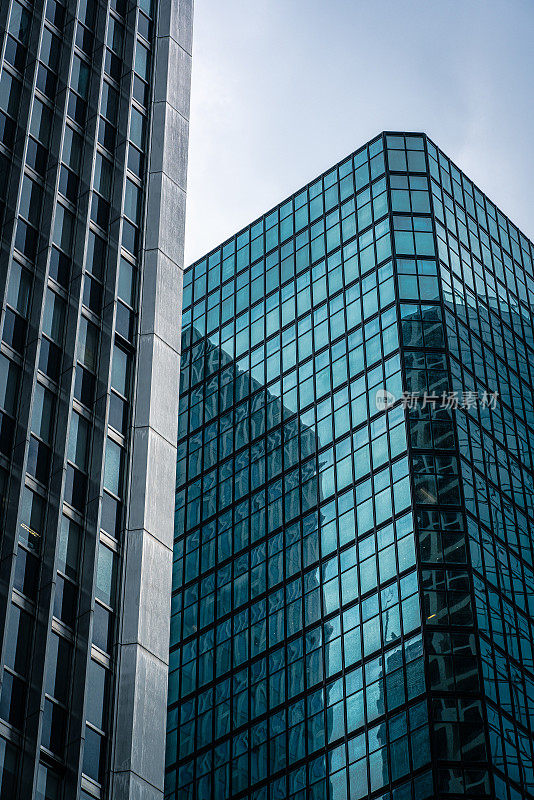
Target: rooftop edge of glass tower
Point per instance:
(338, 166)
(353, 584)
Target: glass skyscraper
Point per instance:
(94, 104)
(353, 585)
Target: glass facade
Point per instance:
(77, 96)
(352, 582)
(487, 285)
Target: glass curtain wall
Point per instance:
(352, 586)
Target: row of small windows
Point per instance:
(498, 339)
(507, 427)
(325, 280)
(323, 189)
(334, 472)
(365, 692)
(463, 193)
(14, 334)
(296, 255)
(514, 318)
(306, 207)
(485, 268)
(412, 236)
(265, 410)
(328, 379)
(445, 590)
(326, 775)
(220, 592)
(268, 360)
(512, 693)
(258, 465)
(492, 359)
(505, 471)
(508, 524)
(385, 615)
(498, 489)
(503, 622)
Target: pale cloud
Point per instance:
(282, 89)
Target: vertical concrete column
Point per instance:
(142, 659)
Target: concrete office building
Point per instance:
(94, 104)
(353, 585)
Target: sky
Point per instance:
(284, 89)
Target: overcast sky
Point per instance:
(283, 89)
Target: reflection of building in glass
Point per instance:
(246, 599)
(90, 283)
(351, 613)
